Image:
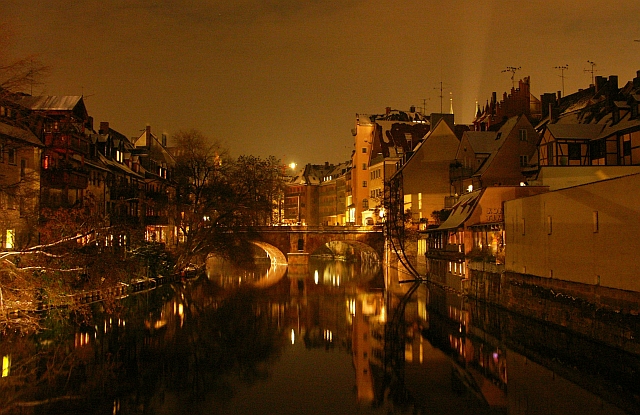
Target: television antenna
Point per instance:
(591, 70)
(513, 71)
(562, 69)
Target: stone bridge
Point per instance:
(298, 242)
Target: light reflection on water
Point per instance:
(313, 342)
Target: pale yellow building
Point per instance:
(425, 176)
(585, 234)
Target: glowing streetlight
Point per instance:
(292, 165)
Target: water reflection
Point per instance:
(331, 340)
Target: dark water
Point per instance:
(322, 340)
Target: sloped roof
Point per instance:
(482, 141)
(19, 134)
(575, 131)
(461, 210)
(499, 140)
(50, 103)
(627, 123)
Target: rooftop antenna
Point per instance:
(592, 71)
(424, 105)
(513, 70)
(562, 69)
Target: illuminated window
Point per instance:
(9, 240)
(6, 366)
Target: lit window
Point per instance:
(9, 240)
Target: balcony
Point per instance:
(66, 142)
(458, 171)
(65, 178)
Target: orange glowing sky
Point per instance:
(286, 77)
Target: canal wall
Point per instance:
(603, 314)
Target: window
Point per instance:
(597, 149)
(524, 161)
(9, 241)
(365, 204)
(596, 224)
(364, 150)
(364, 166)
(23, 168)
(523, 134)
(549, 225)
(364, 183)
(11, 155)
(626, 147)
(574, 151)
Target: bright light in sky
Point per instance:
(300, 71)
(292, 165)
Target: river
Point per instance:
(324, 340)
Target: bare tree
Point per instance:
(18, 74)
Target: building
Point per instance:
(156, 164)
(596, 126)
(20, 154)
(302, 195)
(63, 126)
(599, 221)
(495, 158)
(380, 142)
(425, 175)
(332, 196)
(473, 231)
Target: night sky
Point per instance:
(286, 77)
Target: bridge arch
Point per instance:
(308, 239)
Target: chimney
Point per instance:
(559, 95)
(412, 108)
(636, 80)
(148, 129)
(613, 84)
(104, 127)
(600, 81)
(164, 140)
(388, 110)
